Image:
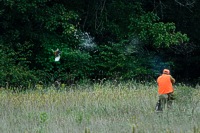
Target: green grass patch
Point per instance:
(99, 108)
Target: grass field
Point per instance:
(99, 108)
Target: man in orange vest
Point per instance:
(165, 90)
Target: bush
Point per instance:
(12, 75)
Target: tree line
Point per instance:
(99, 39)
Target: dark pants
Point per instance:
(163, 100)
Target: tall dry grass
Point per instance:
(108, 107)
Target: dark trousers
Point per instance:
(163, 100)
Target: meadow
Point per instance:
(110, 107)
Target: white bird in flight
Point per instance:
(57, 54)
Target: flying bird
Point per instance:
(57, 54)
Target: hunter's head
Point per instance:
(166, 71)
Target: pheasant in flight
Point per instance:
(57, 54)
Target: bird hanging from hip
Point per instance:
(57, 54)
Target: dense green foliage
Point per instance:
(99, 39)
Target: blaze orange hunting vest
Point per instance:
(164, 84)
